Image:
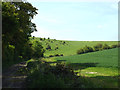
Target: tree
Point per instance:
(48, 38)
(17, 26)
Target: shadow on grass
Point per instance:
(58, 61)
(100, 81)
(77, 66)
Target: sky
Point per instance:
(78, 21)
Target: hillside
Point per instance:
(69, 47)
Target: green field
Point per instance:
(105, 58)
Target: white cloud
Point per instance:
(100, 26)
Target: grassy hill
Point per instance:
(69, 48)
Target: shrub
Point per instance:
(87, 49)
(61, 55)
(47, 76)
(41, 39)
(51, 56)
(44, 38)
(45, 81)
(56, 54)
(48, 47)
(48, 38)
(114, 46)
(105, 46)
(81, 51)
(37, 49)
(98, 47)
(62, 70)
(64, 42)
(56, 48)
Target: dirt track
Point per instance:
(12, 79)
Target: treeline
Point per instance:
(16, 30)
(95, 48)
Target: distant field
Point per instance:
(70, 47)
(105, 58)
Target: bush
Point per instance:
(81, 51)
(114, 46)
(56, 48)
(98, 47)
(47, 76)
(48, 47)
(105, 46)
(44, 38)
(48, 38)
(41, 39)
(51, 56)
(56, 55)
(61, 55)
(38, 50)
(87, 49)
(45, 81)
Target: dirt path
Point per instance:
(12, 79)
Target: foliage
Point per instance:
(45, 81)
(56, 48)
(17, 28)
(114, 46)
(46, 76)
(37, 49)
(56, 54)
(105, 46)
(48, 38)
(51, 55)
(48, 47)
(87, 49)
(61, 54)
(98, 47)
(80, 51)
